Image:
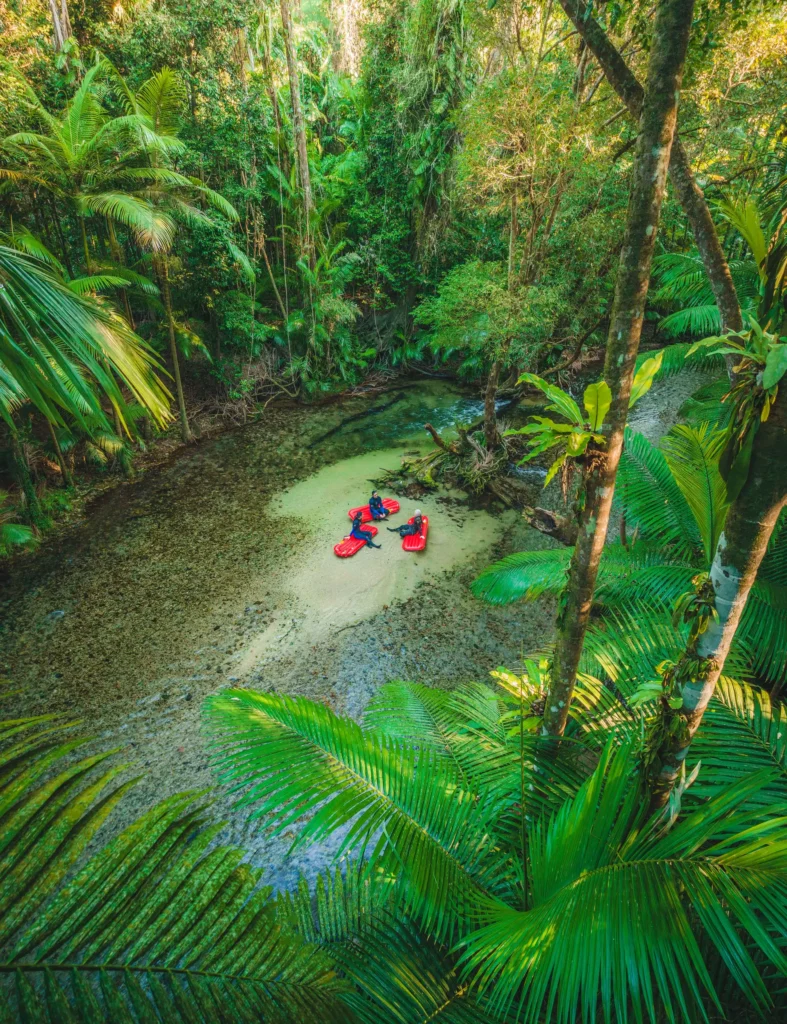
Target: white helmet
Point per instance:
(417, 512)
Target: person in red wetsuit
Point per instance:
(409, 529)
(360, 534)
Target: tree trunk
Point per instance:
(298, 125)
(491, 435)
(35, 514)
(657, 126)
(689, 194)
(185, 430)
(67, 478)
(85, 246)
(742, 546)
(61, 23)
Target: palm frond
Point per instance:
(675, 359)
(161, 100)
(701, 321)
(93, 283)
(158, 924)
(405, 808)
(692, 454)
(152, 227)
(54, 344)
(652, 498)
(523, 576)
(741, 718)
(593, 862)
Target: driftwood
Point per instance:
(452, 448)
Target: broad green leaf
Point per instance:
(644, 377)
(597, 400)
(775, 366)
(562, 403)
(577, 444)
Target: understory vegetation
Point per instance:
(210, 206)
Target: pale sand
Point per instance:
(325, 593)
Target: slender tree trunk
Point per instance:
(67, 478)
(689, 194)
(298, 124)
(61, 23)
(659, 114)
(742, 546)
(491, 433)
(272, 95)
(35, 514)
(85, 246)
(117, 256)
(59, 230)
(185, 430)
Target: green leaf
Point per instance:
(597, 400)
(561, 402)
(644, 377)
(147, 918)
(775, 366)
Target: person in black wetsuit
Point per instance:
(360, 534)
(376, 507)
(409, 529)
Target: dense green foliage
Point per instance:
(208, 205)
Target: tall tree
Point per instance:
(657, 126)
(61, 23)
(689, 194)
(742, 546)
(298, 124)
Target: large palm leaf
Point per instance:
(692, 454)
(651, 496)
(628, 915)
(159, 924)
(682, 281)
(741, 718)
(489, 735)
(626, 574)
(60, 348)
(404, 807)
(401, 975)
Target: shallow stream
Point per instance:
(218, 569)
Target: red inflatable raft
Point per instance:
(416, 541)
(366, 516)
(351, 545)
